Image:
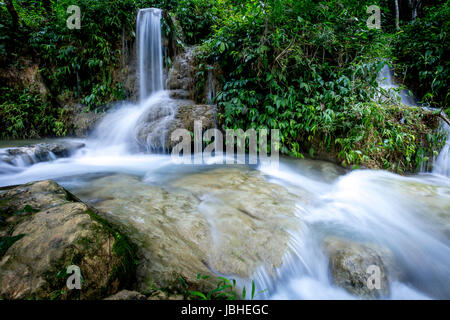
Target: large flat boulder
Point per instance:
(211, 223)
(43, 230)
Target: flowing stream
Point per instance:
(409, 216)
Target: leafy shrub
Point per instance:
(23, 114)
(309, 69)
(422, 50)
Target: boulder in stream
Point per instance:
(224, 221)
(40, 152)
(349, 264)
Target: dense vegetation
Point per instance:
(422, 49)
(305, 67)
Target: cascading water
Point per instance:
(150, 62)
(409, 216)
(441, 165)
(143, 126)
(385, 81)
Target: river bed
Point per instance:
(275, 220)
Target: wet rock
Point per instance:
(127, 295)
(180, 94)
(188, 114)
(156, 127)
(179, 76)
(83, 122)
(48, 230)
(226, 221)
(22, 156)
(349, 263)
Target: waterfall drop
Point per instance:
(133, 128)
(386, 82)
(149, 48)
(441, 165)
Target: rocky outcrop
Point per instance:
(188, 114)
(349, 263)
(43, 230)
(213, 222)
(179, 76)
(40, 152)
(82, 121)
(25, 73)
(157, 125)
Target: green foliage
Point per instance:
(83, 60)
(309, 69)
(197, 18)
(225, 290)
(422, 49)
(23, 114)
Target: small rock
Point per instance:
(158, 295)
(176, 297)
(127, 295)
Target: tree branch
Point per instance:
(13, 13)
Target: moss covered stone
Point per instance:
(60, 231)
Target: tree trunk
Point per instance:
(12, 11)
(397, 15)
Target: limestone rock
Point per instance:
(349, 263)
(179, 76)
(40, 152)
(84, 122)
(156, 127)
(47, 229)
(207, 223)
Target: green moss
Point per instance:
(123, 249)
(7, 242)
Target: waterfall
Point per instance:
(149, 48)
(131, 128)
(386, 82)
(441, 164)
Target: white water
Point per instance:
(210, 88)
(142, 126)
(390, 89)
(441, 165)
(408, 215)
(148, 34)
(132, 128)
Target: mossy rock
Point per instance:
(56, 231)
